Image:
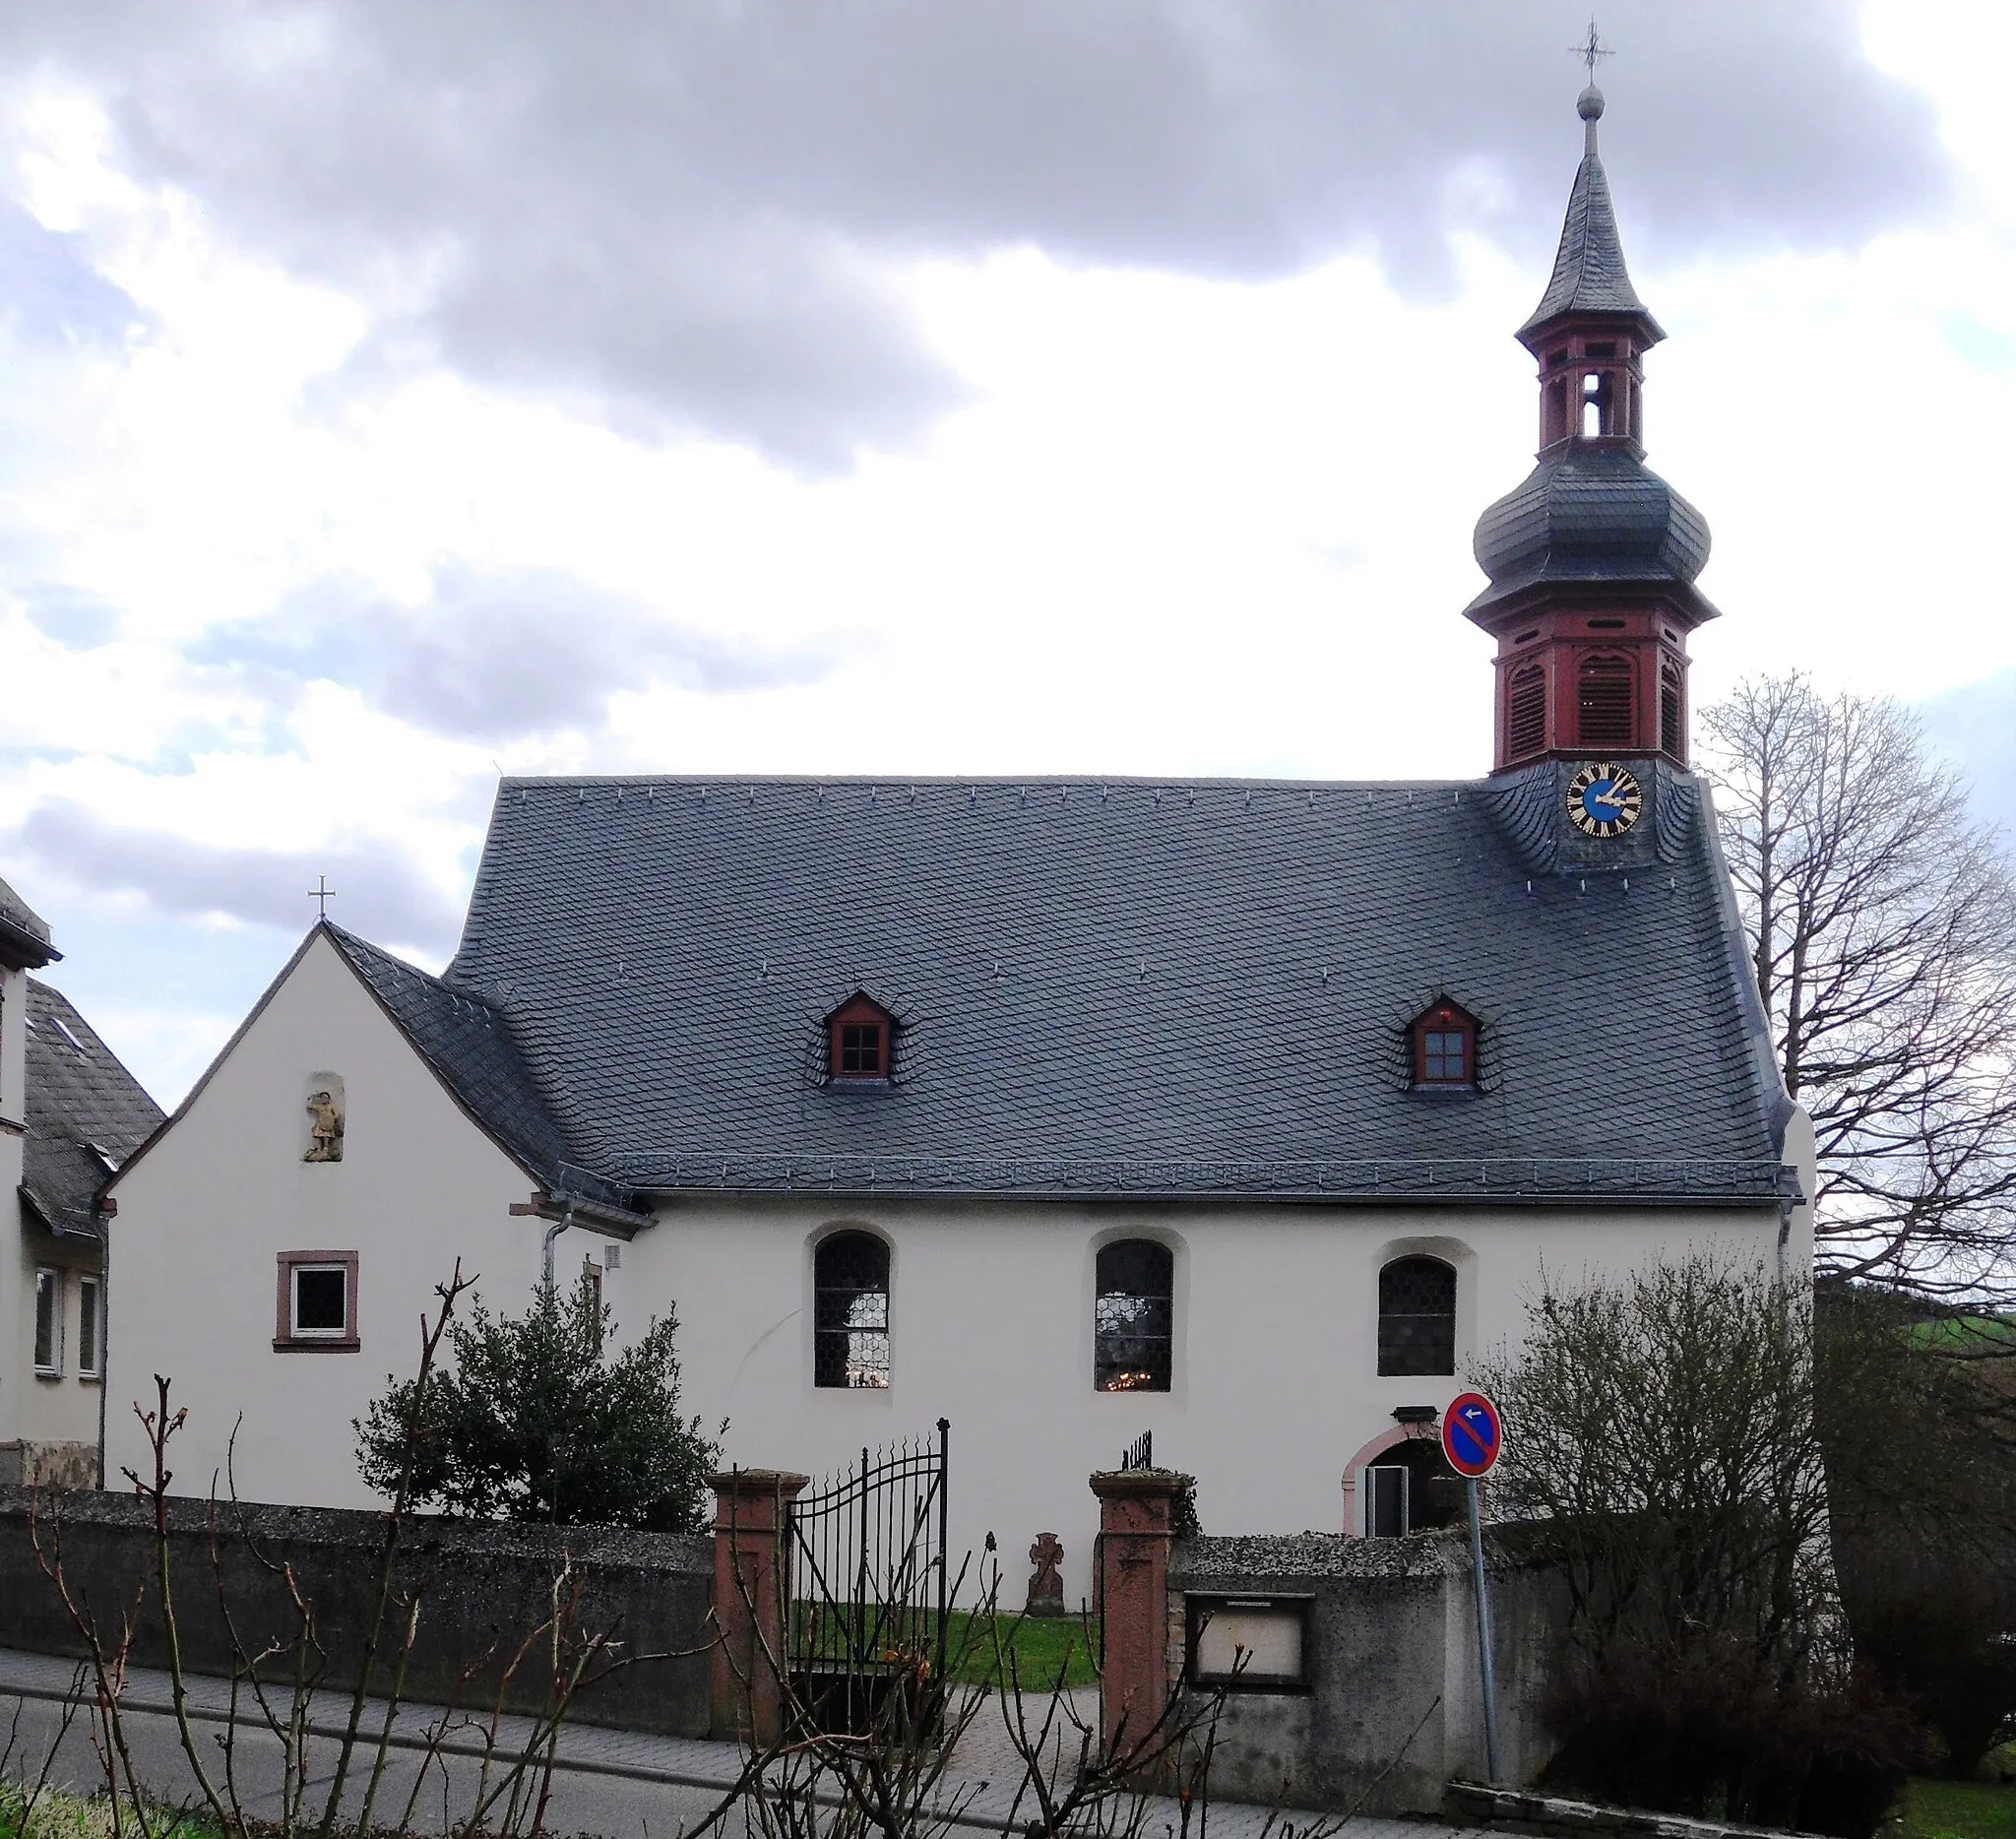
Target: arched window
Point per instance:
(1603, 700)
(1444, 1042)
(1417, 1316)
(850, 1312)
(1526, 711)
(1131, 1316)
(1672, 731)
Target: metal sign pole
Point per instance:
(1484, 1633)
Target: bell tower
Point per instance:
(1592, 560)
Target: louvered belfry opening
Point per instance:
(1603, 701)
(1526, 711)
(1672, 715)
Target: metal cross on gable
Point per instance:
(322, 893)
(1590, 49)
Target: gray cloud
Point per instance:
(493, 657)
(382, 894)
(678, 210)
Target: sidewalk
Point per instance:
(613, 1782)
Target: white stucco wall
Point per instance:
(1275, 1390)
(1274, 1385)
(205, 1213)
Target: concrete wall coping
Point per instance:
(614, 1545)
(1206, 1562)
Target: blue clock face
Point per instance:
(1604, 800)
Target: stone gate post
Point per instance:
(1132, 1581)
(751, 1599)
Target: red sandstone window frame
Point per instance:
(1430, 1068)
(286, 1337)
(844, 1030)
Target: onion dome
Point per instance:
(1594, 514)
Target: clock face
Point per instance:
(1604, 800)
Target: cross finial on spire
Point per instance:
(322, 893)
(1590, 49)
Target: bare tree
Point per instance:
(1882, 923)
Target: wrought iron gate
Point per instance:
(868, 1586)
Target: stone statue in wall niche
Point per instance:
(325, 1128)
(1046, 1587)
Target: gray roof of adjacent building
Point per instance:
(1101, 988)
(24, 933)
(85, 1115)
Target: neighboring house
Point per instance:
(1247, 1113)
(69, 1115)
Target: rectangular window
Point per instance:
(317, 1302)
(860, 1048)
(48, 1320)
(89, 1323)
(1444, 1055)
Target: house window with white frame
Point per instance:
(91, 1327)
(48, 1321)
(316, 1307)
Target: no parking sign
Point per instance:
(1472, 1434)
(1472, 1438)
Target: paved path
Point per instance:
(606, 1782)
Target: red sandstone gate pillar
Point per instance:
(1133, 1587)
(751, 1599)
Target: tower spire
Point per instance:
(1590, 275)
(1592, 562)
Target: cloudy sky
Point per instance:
(391, 396)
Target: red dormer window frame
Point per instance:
(1443, 1047)
(858, 1036)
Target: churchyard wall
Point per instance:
(486, 1588)
(1391, 1709)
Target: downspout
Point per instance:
(1785, 1207)
(553, 1231)
(106, 1209)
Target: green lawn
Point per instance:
(1936, 1810)
(1045, 1650)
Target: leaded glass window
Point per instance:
(1417, 1316)
(1132, 1313)
(850, 1312)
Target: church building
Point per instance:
(1247, 1113)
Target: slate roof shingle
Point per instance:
(1589, 275)
(79, 1100)
(1120, 987)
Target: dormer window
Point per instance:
(857, 1040)
(1445, 1047)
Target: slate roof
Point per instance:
(1589, 275)
(1103, 987)
(472, 1049)
(85, 1112)
(1592, 514)
(24, 933)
